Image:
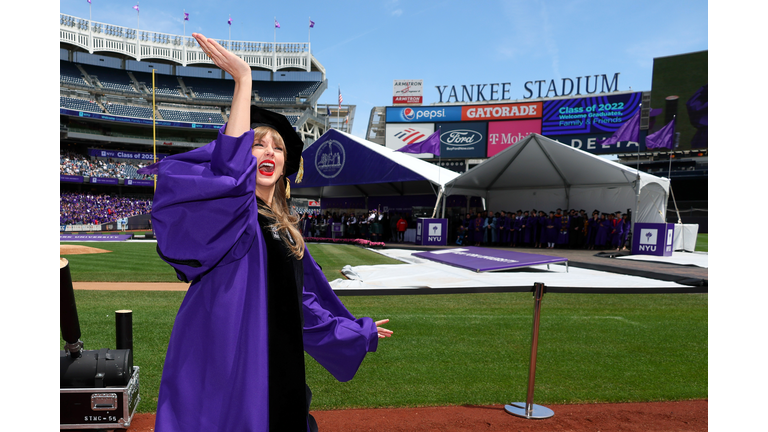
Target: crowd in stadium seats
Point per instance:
(75, 164)
(78, 208)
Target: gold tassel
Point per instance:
(287, 188)
(300, 175)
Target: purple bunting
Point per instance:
(629, 131)
(663, 138)
(429, 145)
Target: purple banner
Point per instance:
(482, 259)
(138, 182)
(95, 237)
(104, 180)
(70, 179)
(589, 115)
(119, 154)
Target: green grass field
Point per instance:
(448, 349)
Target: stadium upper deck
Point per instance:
(107, 70)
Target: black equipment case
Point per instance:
(110, 407)
(99, 389)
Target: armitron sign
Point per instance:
(408, 92)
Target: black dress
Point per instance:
(289, 395)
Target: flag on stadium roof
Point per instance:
(135, 7)
(341, 99)
(186, 16)
(429, 145)
(664, 137)
(311, 23)
(629, 131)
(328, 109)
(277, 24)
(229, 21)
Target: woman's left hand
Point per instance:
(383, 333)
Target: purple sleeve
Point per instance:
(332, 335)
(204, 203)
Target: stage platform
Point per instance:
(589, 271)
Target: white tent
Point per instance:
(541, 173)
(340, 165)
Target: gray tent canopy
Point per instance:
(541, 173)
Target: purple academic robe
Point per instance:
(618, 232)
(517, 235)
(563, 235)
(216, 373)
(550, 234)
(476, 229)
(603, 233)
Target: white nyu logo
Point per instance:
(648, 236)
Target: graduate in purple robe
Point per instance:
(476, 230)
(517, 224)
(551, 226)
(625, 230)
(563, 234)
(617, 231)
(592, 225)
(257, 300)
(603, 232)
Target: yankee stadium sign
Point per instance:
(577, 86)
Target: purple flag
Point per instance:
(429, 145)
(629, 131)
(277, 24)
(664, 137)
(229, 21)
(89, 1)
(311, 24)
(186, 16)
(135, 7)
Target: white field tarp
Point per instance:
(541, 173)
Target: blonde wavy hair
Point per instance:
(286, 223)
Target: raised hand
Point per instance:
(228, 62)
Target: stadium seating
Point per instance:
(129, 110)
(191, 116)
(70, 74)
(211, 89)
(165, 85)
(113, 79)
(79, 104)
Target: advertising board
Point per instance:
(408, 92)
(399, 135)
(501, 111)
(504, 134)
(599, 114)
(463, 139)
(426, 114)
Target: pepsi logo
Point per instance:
(409, 113)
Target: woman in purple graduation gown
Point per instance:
(257, 300)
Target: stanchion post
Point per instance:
(528, 409)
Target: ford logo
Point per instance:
(461, 137)
(409, 113)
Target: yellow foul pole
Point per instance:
(154, 137)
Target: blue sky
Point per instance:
(365, 45)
